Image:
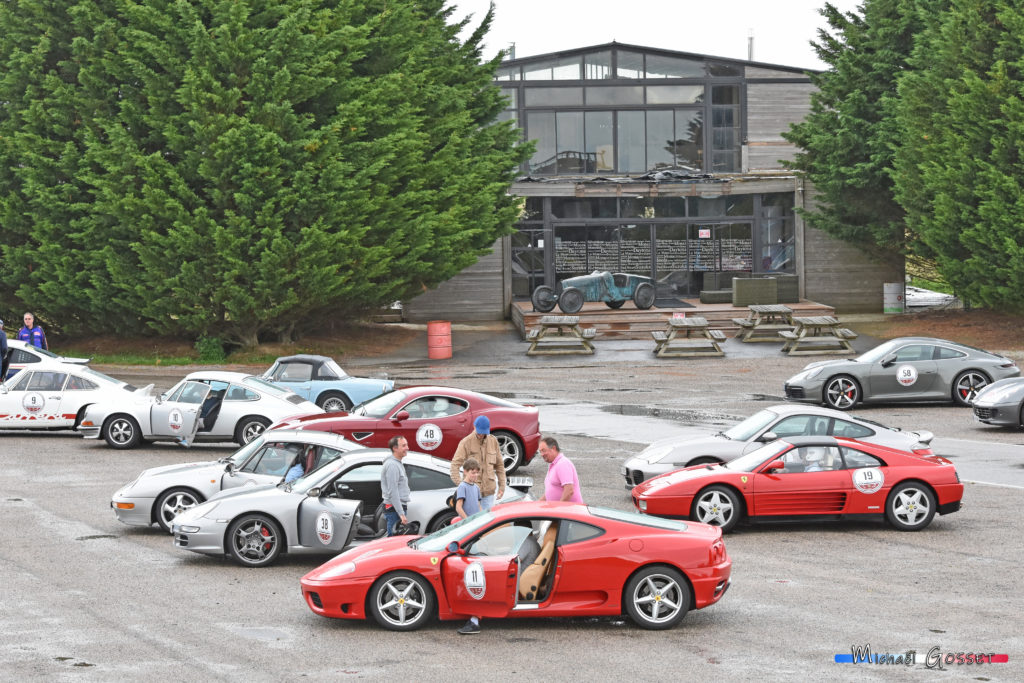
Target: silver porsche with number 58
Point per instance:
(907, 369)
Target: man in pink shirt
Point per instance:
(561, 482)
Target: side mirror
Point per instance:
(454, 547)
(230, 468)
(314, 492)
(888, 360)
(775, 465)
(400, 416)
(768, 436)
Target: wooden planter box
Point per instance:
(754, 291)
(716, 296)
(788, 288)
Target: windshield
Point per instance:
(380, 406)
(746, 430)
(266, 387)
(333, 369)
(878, 352)
(756, 458)
(317, 478)
(439, 540)
(239, 457)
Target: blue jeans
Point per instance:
(487, 502)
(392, 519)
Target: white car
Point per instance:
(55, 395)
(160, 493)
(209, 405)
(22, 355)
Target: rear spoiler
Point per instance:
(924, 436)
(520, 483)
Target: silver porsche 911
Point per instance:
(1001, 403)
(907, 369)
(774, 422)
(159, 494)
(319, 513)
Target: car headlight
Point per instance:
(807, 374)
(642, 504)
(188, 529)
(338, 570)
(654, 454)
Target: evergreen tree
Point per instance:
(959, 167)
(848, 138)
(240, 168)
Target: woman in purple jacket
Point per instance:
(32, 334)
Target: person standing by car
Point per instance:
(394, 484)
(483, 447)
(3, 353)
(32, 334)
(561, 482)
(467, 496)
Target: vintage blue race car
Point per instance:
(320, 380)
(613, 289)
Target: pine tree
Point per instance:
(959, 168)
(847, 140)
(244, 168)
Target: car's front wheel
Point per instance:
(401, 601)
(249, 428)
(967, 385)
(334, 402)
(254, 540)
(122, 432)
(910, 507)
(571, 300)
(543, 299)
(657, 597)
(718, 506)
(842, 392)
(511, 449)
(442, 520)
(172, 503)
(643, 295)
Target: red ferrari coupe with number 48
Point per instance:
(808, 478)
(530, 559)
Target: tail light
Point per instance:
(717, 554)
(1008, 364)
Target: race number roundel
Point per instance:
(325, 528)
(906, 375)
(33, 402)
(475, 580)
(868, 479)
(428, 436)
(175, 420)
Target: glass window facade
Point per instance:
(651, 112)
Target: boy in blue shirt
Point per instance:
(467, 496)
(467, 502)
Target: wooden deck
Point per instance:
(630, 323)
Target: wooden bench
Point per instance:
(532, 334)
(846, 333)
(788, 335)
(717, 335)
(589, 332)
(743, 322)
(659, 336)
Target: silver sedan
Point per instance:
(902, 370)
(320, 513)
(774, 422)
(158, 494)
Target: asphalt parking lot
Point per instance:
(87, 598)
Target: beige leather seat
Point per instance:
(532, 578)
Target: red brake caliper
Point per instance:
(266, 534)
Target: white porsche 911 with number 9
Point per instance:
(210, 405)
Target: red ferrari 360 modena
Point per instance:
(433, 420)
(530, 559)
(808, 478)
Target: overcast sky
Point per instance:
(782, 29)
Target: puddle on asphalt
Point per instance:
(687, 416)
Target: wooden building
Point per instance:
(661, 163)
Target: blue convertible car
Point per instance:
(321, 380)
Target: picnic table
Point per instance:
(560, 334)
(675, 341)
(820, 334)
(764, 323)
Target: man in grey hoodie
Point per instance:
(394, 484)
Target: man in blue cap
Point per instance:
(482, 447)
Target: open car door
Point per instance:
(481, 586)
(180, 419)
(327, 523)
